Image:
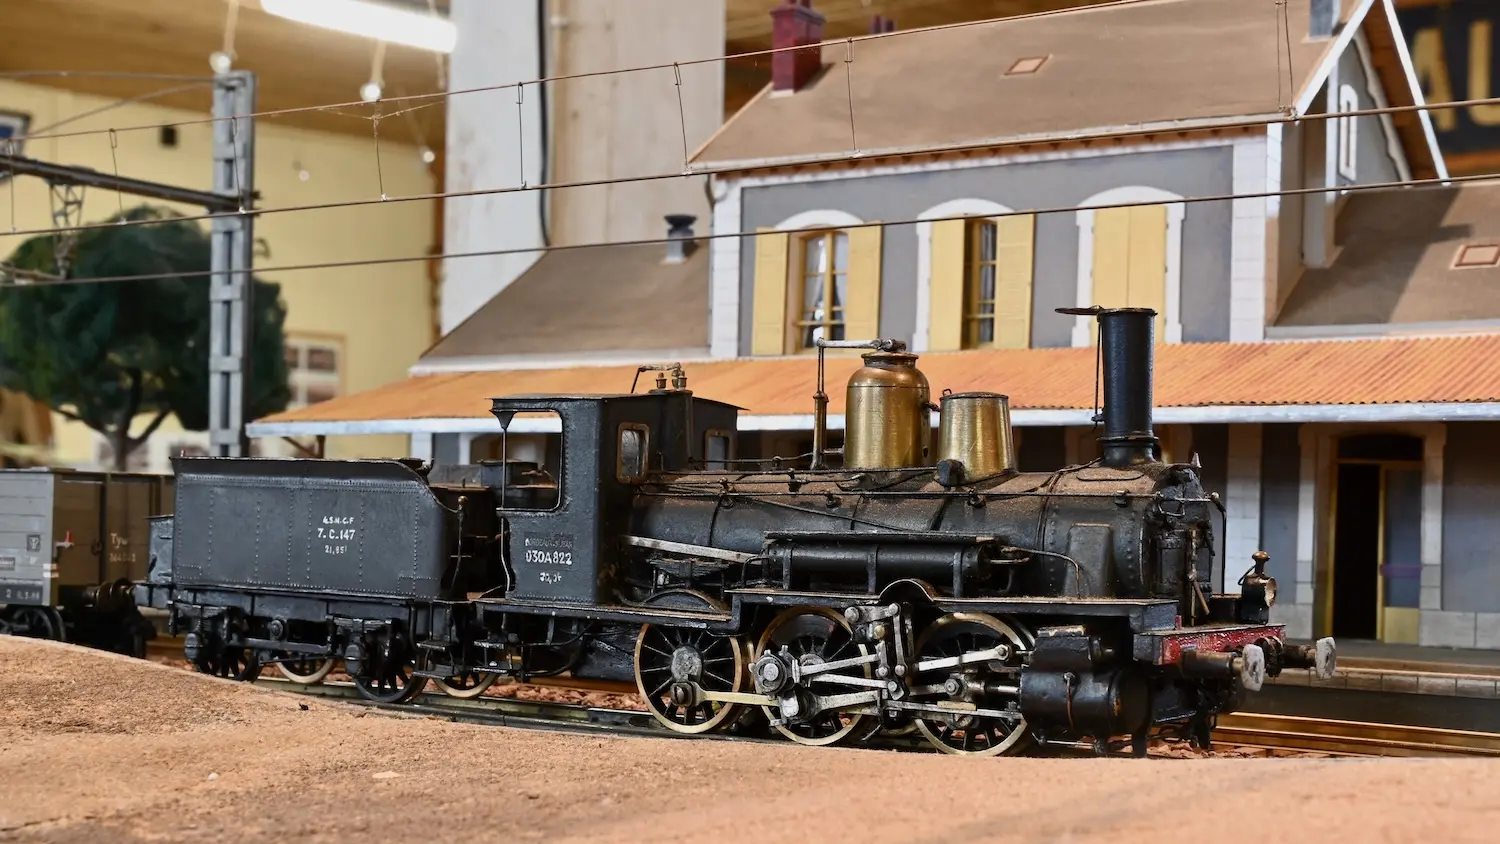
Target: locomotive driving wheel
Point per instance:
(673, 664)
(812, 636)
(988, 685)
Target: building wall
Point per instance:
(1206, 234)
(1471, 535)
(382, 313)
(604, 127)
(1280, 467)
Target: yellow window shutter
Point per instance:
(862, 305)
(946, 296)
(1148, 263)
(1013, 277)
(769, 325)
(1111, 262)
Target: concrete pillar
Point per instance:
(1242, 502)
(612, 126)
(492, 143)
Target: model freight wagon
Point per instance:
(71, 546)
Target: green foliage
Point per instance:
(103, 353)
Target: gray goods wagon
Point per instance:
(72, 545)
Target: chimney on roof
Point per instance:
(1324, 17)
(794, 23)
(882, 24)
(680, 243)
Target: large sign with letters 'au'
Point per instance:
(1453, 48)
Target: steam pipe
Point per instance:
(1126, 342)
(820, 398)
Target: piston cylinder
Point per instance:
(975, 431)
(886, 421)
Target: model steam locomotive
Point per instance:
(903, 588)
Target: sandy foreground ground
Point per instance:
(96, 747)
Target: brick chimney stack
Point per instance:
(794, 23)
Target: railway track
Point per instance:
(1274, 734)
(1349, 738)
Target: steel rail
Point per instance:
(1350, 738)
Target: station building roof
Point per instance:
(1406, 260)
(1169, 64)
(1429, 377)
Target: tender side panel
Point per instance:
(359, 528)
(26, 538)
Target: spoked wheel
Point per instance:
(960, 633)
(469, 684)
(307, 670)
(391, 673)
(673, 664)
(231, 663)
(36, 623)
(814, 635)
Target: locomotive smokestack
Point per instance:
(1126, 343)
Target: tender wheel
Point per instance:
(469, 684)
(960, 633)
(389, 675)
(230, 663)
(672, 665)
(814, 635)
(307, 670)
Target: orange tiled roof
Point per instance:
(1432, 369)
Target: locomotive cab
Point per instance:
(557, 545)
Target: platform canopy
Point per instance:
(1402, 379)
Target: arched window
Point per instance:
(817, 275)
(824, 287)
(1131, 257)
(974, 277)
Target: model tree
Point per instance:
(104, 354)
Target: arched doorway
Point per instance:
(1377, 538)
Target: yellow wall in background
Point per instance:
(383, 313)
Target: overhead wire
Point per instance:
(1411, 184)
(864, 156)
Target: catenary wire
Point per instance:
(596, 73)
(1411, 184)
(864, 156)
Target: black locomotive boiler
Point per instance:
(912, 585)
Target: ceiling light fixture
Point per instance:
(372, 20)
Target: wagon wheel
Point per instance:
(814, 635)
(37, 623)
(959, 633)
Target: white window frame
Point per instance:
(1176, 212)
(952, 208)
(1348, 133)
